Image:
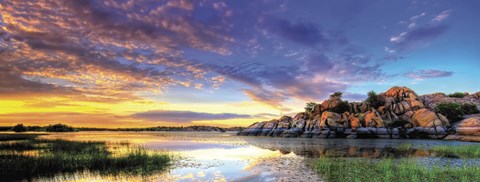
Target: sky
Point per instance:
(144, 63)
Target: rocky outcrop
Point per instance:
(467, 130)
(432, 100)
(402, 114)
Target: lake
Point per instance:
(212, 156)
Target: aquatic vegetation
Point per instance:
(20, 145)
(60, 156)
(11, 137)
(387, 169)
(405, 147)
(462, 150)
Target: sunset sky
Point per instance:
(132, 63)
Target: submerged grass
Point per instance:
(355, 169)
(61, 156)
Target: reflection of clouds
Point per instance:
(232, 154)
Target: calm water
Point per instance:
(209, 156)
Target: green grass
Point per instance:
(355, 169)
(61, 156)
(405, 147)
(465, 151)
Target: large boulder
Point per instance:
(427, 118)
(283, 124)
(268, 127)
(467, 130)
(312, 128)
(330, 119)
(331, 103)
(373, 119)
(297, 127)
(253, 130)
(354, 121)
(400, 93)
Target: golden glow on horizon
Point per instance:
(48, 110)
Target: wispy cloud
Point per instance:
(425, 74)
(185, 116)
(442, 16)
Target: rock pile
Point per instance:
(401, 114)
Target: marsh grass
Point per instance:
(17, 146)
(12, 137)
(61, 156)
(465, 151)
(387, 169)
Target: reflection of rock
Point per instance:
(312, 148)
(400, 114)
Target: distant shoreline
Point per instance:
(159, 128)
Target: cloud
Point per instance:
(442, 16)
(185, 116)
(71, 118)
(425, 74)
(109, 49)
(417, 37)
(300, 32)
(354, 96)
(274, 99)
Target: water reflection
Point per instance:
(366, 148)
(227, 157)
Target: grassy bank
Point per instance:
(466, 151)
(355, 169)
(60, 156)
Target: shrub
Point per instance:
(457, 95)
(309, 107)
(59, 128)
(455, 111)
(374, 99)
(469, 109)
(19, 128)
(342, 107)
(336, 94)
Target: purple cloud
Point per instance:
(300, 32)
(185, 116)
(417, 37)
(425, 74)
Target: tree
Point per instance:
(336, 94)
(309, 107)
(59, 128)
(374, 99)
(19, 128)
